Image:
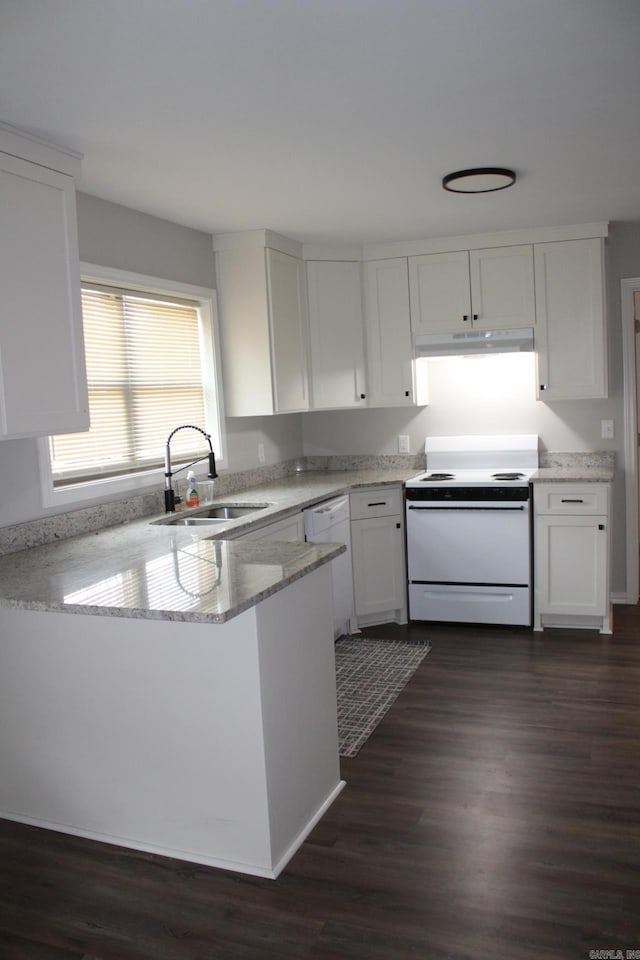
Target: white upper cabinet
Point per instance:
(293, 340)
(336, 335)
(262, 311)
(485, 289)
(571, 334)
(390, 366)
(286, 290)
(502, 288)
(440, 292)
(43, 386)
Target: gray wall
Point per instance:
(115, 236)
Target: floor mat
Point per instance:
(369, 676)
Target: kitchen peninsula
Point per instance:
(171, 689)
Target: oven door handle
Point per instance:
(412, 506)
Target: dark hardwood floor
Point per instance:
(494, 813)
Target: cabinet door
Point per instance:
(241, 289)
(286, 294)
(571, 565)
(440, 292)
(43, 387)
(378, 565)
(502, 289)
(570, 308)
(291, 528)
(336, 335)
(390, 364)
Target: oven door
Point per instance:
(469, 560)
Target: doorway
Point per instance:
(630, 304)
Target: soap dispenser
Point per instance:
(192, 498)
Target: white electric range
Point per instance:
(469, 530)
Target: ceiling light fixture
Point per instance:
(479, 180)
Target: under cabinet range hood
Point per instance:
(473, 342)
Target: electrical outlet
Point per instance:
(607, 429)
(261, 452)
(403, 443)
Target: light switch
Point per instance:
(607, 429)
(261, 452)
(403, 443)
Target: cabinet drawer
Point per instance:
(376, 502)
(571, 499)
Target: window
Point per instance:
(150, 357)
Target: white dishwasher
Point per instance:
(329, 522)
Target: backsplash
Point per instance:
(567, 461)
(61, 526)
(398, 461)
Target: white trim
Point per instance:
(408, 248)
(136, 483)
(257, 238)
(315, 251)
(19, 143)
(627, 287)
(96, 491)
(297, 842)
(619, 598)
(142, 281)
(254, 870)
(478, 241)
(129, 843)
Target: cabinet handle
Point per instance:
(378, 503)
(475, 316)
(543, 386)
(465, 318)
(363, 396)
(398, 525)
(572, 501)
(407, 393)
(601, 526)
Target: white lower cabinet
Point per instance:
(291, 528)
(377, 547)
(571, 542)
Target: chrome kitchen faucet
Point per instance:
(170, 498)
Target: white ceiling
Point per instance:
(335, 120)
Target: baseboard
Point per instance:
(306, 830)
(219, 863)
(378, 619)
(620, 598)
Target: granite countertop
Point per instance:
(577, 474)
(152, 570)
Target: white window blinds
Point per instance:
(144, 372)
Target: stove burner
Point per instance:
(439, 476)
(507, 476)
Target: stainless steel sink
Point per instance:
(216, 513)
